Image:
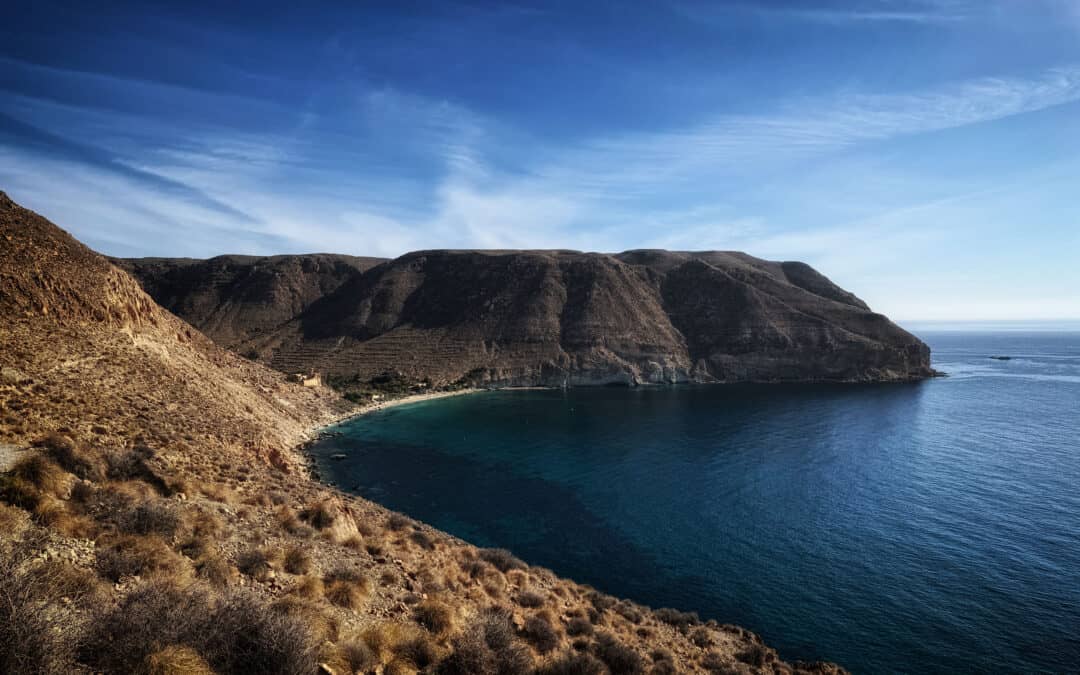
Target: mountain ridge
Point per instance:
(560, 317)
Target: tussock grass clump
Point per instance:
(539, 632)
(488, 646)
(503, 560)
(320, 514)
(701, 637)
(619, 658)
(214, 570)
(297, 561)
(756, 655)
(418, 651)
(357, 656)
(676, 618)
(435, 616)
(629, 612)
(354, 543)
(309, 588)
(573, 663)
(530, 599)
(257, 563)
(423, 540)
(579, 626)
(346, 588)
(30, 641)
(153, 517)
(76, 460)
(177, 660)
(234, 633)
(131, 555)
(397, 522)
(42, 473)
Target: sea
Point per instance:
(929, 527)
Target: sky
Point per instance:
(924, 154)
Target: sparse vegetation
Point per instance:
(503, 560)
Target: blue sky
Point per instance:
(923, 153)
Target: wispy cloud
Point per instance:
(863, 12)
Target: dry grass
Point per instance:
(436, 616)
(257, 563)
(131, 555)
(346, 588)
(539, 633)
(503, 560)
(320, 514)
(177, 660)
(297, 561)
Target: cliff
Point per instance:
(155, 517)
(556, 318)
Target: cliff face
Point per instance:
(232, 298)
(561, 317)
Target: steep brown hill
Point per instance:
(565, 317)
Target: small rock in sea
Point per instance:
(1001, 358)
(338, 455)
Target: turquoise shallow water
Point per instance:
(930, 527)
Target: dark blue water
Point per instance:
(931, 527)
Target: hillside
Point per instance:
(156, 517)
(562, 317)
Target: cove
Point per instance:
(928, 527)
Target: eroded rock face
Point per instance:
(545, 318)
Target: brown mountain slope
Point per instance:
(233, 298)
(564, 317)
(163, 524)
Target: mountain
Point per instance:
(546, 318)
(232, 298)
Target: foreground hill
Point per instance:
(554, 318)
(155, 517)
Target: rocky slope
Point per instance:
(155, 518)
(565, 317)
(232, 298)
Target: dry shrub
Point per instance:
(257, 563)
(30, 641)
(487, 646)
(356, 656)
(434, 615)
(79, 461)
(12, 520)
(309, 588)
(42, 473)
(423, 540)
(323, 625)
(354, 542)
(579, 626)
(715, 662)
(214, 570)
(755, 655)
(397, 522)
(539, 632)
(680, 620)
(701, 637)
(320, 514)
(201, 523)
(54, 513)
(130, 555)
(59, 579)
(600, 601)
(236, 633)
(153, 517)
(177, 660)
(619, 658)
(530, 599)
(217, 492)
(297, 561)
(629, 612)
(503, 560)
(572, 663)
(346, 588)
(344, 594)
(418, 651)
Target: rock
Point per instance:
(1002, 358)
(338, 456)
